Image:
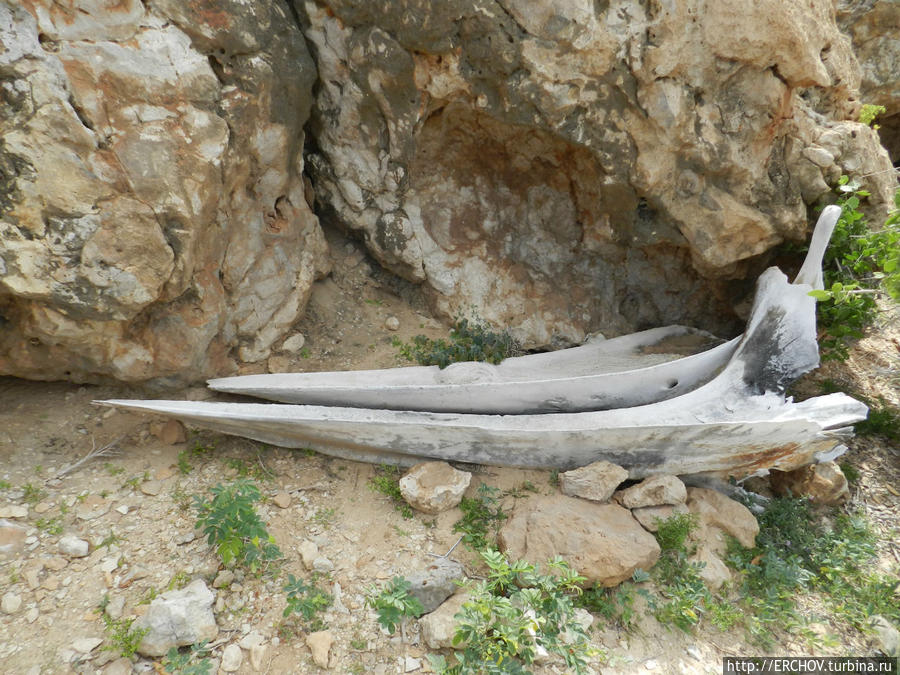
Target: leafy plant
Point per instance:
(52, 526)
(183, 663)
(482, 517)
(307, 600)
(469, 341)
(386, 481)
(512, 613)
(120, 635)
(32, 494)
(232, 525)
(394, 604)
(859, 264)
(868, 112)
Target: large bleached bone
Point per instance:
(739, 423)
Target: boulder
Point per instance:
(432, 487)
(653, 491)
(604, 543)
(439, 627)
(177, 618)
(153, 219)
(822, 483)
(437, 582)
(596, 481)
(560, 168)
(715, 510)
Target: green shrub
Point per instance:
(469, 341)
(307, 600)
(868, 112)
(482, 518)
(859, 264)
(386, 481)
(394, 604)
(184, 663)
(232, 525)
(514, 611)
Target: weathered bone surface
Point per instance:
(737, 424)
(621, 372)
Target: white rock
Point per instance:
(258, 656)
(232, 656)
(178, 618)
(411, 664)
(251, 639)
(10, 603)
(432, 487)
(294, 343)
(322, 564)
(596, 481)
(73, 547)
(888, 635)
(392, 323)
(118, 667)
(653, 491)
(308, 551)
(223, 579)
(439, 627)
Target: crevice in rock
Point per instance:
(889, 132)
(81, 114)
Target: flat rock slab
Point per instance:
(596, 481)
(603, 542)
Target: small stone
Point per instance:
(151, 487)
(172, 433)
(73, 547)
(258, 656)
(120, 666)
(653, 491)
(282, 500)
(694, 653)
(13, 511)
(86, 645)
(714, 572)
(42, 507)
(10, 603)
(410, 664)
(716, 510)
(223, 579)
(596, 481)
(309, 551)
(322, 564)
(432, 487)
(392, 323)
(178, 618)
(651, 664)
(251, 639)
(123, 509)
(32, 615)
(319, 644)
(116, 607)
(294, 343)
(12, 538)
(91, 507)
(888, 636)
(232, 656)
(165, 473)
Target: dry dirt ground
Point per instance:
(134, 510)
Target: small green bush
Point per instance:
(482, 518)
(232, 525)
(386, 481)
(394, 604)
(514, 611)
(469, 341)
(859, 264)
(307, 600)
(185, 663)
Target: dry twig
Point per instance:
(105, 451)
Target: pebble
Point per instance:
(123, 509)
(694, 653)
(232, 656)
(392, 323)
(12, 538)
(282, 500)
(258, 656)
(42, 507)
(116, 607)
(93, 506)
(410, 664)
(73, 547)
(172, 432)
(120, 666)
(322, 565)
(251, 639)
(319, 644)
(32, 615)
(294, 343)
(10, 603)
(223, 579)
(308, 551)
(651, 664)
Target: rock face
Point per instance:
(153, 222)
(602, 542)
(564, 167)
